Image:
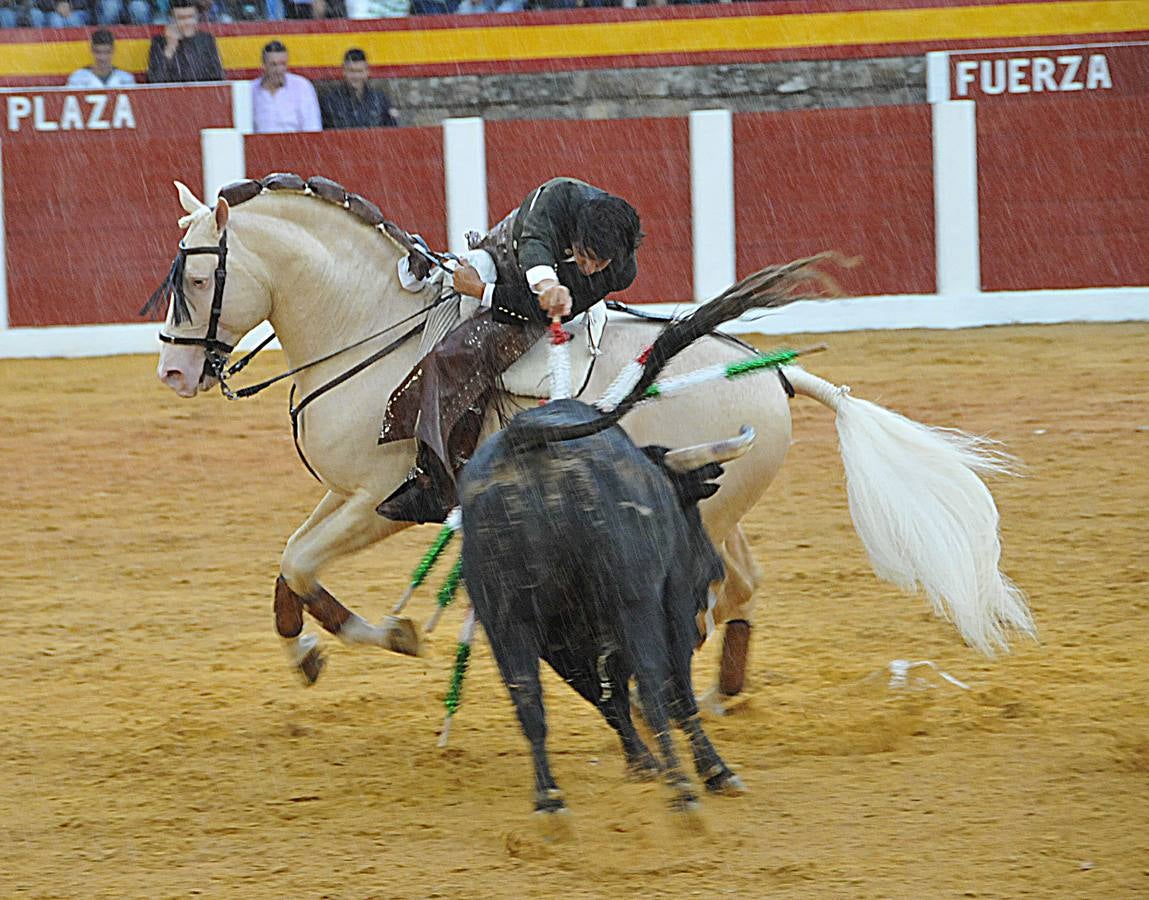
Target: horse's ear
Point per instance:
(187, 199)
(221, 213)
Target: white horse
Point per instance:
(326, 278)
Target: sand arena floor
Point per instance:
(154, 743)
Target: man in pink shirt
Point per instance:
(283, 101)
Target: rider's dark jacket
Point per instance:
(541, 234)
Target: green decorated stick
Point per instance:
(454, 698)
(446, 594)
(452, 525)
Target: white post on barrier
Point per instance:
(465, 176)
(956, 237)
(242, 107)
(3, 250)
(937, 76)
(712, 201)
(223, 160)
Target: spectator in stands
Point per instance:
(283, 101)
(213, 11)
(316, 9)
(116, 12)
(469, 7)
(56, 14)
(183, 52)
(101, 73)
(353, 103)
(381, 9)
(9, 14)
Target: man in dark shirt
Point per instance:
(354, 103)
(183, 52)
(567, 246)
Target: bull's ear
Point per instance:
(188, 200)
(221, 213)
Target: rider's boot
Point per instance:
(427, 495)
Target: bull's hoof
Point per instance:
(550, 801)
(640, 769)
(401, 636)
(684, 802)
(310, 666)
(726, 782)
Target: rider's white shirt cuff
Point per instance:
(536, 274)
(488, 297)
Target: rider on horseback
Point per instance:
(565, 249)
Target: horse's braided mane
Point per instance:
(239, 192)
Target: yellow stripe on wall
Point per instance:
(637, 38)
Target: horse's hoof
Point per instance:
(311, 666)
(715, 703)
(401, 636)
(726, 782)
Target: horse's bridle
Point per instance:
(216, 352)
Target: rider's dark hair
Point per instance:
(608, 227)
(183, 4)
(354, 55)
(101, 37)
(274, 47)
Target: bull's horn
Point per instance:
(690, 458)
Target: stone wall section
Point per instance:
(661, 91)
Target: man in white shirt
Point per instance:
(101, 73)
(283, 101)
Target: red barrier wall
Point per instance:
(398, 169)
(90, 209)
(647, 161)
(1063, 192)
(859, 181)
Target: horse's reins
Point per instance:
(216, 351)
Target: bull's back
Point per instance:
(570, 512)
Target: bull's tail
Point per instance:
(770, 288)
(924, 515)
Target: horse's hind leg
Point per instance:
(337, 527)
(735, 607)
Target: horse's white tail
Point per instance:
(926, 519)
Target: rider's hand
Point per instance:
(555, 300)
(467, 281)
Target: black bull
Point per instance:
(591, 555)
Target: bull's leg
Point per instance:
(338, 526)
(713, 771)
(606, 690)
(648, 643)
(518, 663)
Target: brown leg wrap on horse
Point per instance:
(328, 611)
(288, 610)
(735, 645)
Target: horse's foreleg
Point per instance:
(350, 524)
(288, 604)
